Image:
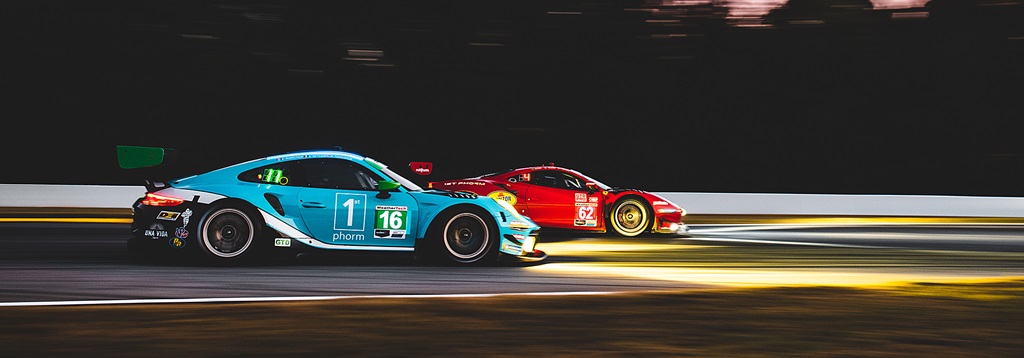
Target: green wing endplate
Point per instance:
(130, 157)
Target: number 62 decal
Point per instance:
(585, 211)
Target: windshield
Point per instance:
(599, 184)
(408, 184)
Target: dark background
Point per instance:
(823, 96)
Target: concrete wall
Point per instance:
(105, 196)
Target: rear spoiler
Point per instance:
(135, 157)
(131, 157)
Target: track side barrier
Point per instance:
(111, 203)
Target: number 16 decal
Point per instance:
(391, 222)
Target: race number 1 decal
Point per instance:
(391, 222)
(349, 212)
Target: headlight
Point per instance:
(529, 244)
(519, 225)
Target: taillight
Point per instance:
(153, 199)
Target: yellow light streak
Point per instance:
(757, 278)
(643, 268)
(577, 248)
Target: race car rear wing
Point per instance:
(136, 157)
(131, 157)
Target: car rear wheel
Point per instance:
(465, 237)
(228, 234)
(630, 217)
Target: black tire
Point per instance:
(228, 234)
(464, 237)
(630, 217)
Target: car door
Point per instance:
(557, 199)
(340, 206)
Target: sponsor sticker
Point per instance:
(156, 234)
(168, 215)
(156, 231)
(503, 195)
(282, 242)
(391, 222)
(581, 197)
(584, 222)
(464, 183)
(181, 232)
(184, 217)
(348, 237)
(176, 242)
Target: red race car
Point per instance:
(561, 198)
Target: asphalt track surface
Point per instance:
(61, 263)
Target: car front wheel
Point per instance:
(630, 217)
(465, 237)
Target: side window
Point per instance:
(572, 182)
(546, 178)
(367, 179)
(556, 179)
(339, 174)
(284, 173)
(525, 178)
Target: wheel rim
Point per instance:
(629, 218)
(227, 233)
(466, 236)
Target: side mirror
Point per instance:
(384, 186)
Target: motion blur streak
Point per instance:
(577, 248)
(827, 261)
(281, 299)
(776, 242)
(755, 277)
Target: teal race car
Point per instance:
(318, 200)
